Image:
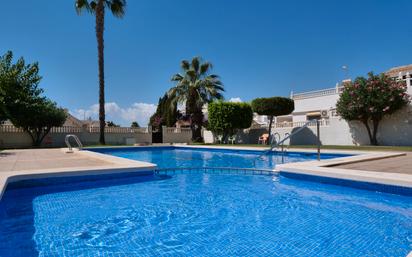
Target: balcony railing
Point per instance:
(298, 124)
(318, 93)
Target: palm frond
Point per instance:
(177, 77)
(117, 7)
(82, 5)
(185, 65)
(195, 64)
(205, 67)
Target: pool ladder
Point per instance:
(280, 143)
(79, 144)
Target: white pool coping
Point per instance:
(117, 165)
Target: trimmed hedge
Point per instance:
(227, 117)
(273, 106)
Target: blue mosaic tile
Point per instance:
(202, 214)
(399, 190)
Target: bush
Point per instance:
(225, 118)
(21, 99)
(369, 99)
(272, 107)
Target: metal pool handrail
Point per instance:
(215, 170)
(66, 140)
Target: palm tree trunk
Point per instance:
(100, 50)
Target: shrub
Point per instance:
(272, 107)
(22, 101)
(369, 99)
(225, 118)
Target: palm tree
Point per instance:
(97, 8)
(195, 87)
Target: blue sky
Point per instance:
(259, 48)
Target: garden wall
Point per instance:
(12, 137)
(176, 135)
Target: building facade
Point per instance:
(395, 129)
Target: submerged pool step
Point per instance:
(215, 170)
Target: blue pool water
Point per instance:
(200, 214)
(171, 157)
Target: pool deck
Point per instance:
(36, 163)
(400, 164)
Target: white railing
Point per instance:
(172, 130)
(325, 122)
(318, 93)
(72, 129)
(10, 129)
(64, 129)
(119, 130)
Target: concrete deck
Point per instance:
(37, 163)
(16, 160)
(400, 164)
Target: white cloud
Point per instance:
(139, 112)
(235, 100)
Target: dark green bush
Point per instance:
(273, 106)
(225, 118)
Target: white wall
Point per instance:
(316, 103)
(394, 130)
(337, 132)
(177, 135)
(11, 137)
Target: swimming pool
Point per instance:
(200, 212)
(171, 157)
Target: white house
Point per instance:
(321, 105)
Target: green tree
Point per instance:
(273, 107)
(37, 118)
(97, 8)
(166, 113)
(226, 118)
(195, 86)
(370, 99)
(135, 125)
(23, 103)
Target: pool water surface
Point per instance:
(188, 157)
(202, 215)
(201, 212)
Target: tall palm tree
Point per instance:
(195, 87)
(97, 8)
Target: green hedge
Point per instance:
(225, 118)
(273, 106)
